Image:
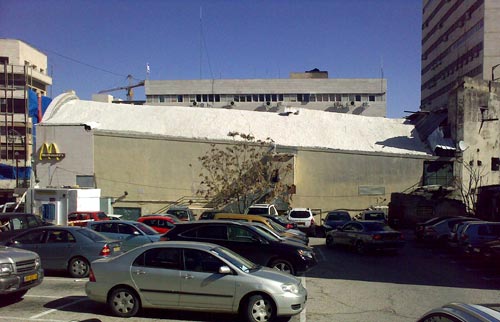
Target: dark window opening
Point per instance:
(438, 173)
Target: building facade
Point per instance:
(310, 90)
(146, 158)
(23, 69)
(459, 39)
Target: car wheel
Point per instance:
(124, 302)
(360, 247)
(329, 241)
(259, 308)
(282, 265)
(79, 267)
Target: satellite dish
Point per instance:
(462, 146)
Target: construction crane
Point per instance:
(129, 88)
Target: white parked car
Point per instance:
(262, 209)
(304, 219)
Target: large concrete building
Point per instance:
(459, 39)
(310, 90)
(144, 158)
(22, 68)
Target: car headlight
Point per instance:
(37, 262)
(6, 269)
(290, 288)
(306, 253)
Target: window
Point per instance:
(371, 98)
(106, 228)
(200, 261)
(166, 258)
(34, 237)
(162, 99)
(280, 97)
(212, 232)
(255, 97)
(85, 181)
(274, 97)
(358, 98)
(60, 236)
(261, 97)
(240, 234)
(179, 98)
(127, 229)
(438, 173)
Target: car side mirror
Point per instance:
(224, 270)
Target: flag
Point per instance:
(147, 68)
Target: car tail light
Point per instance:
(289, 226)
(377, 237)
(164, 238)
(105, 251)
(91, 275)
(312, 221)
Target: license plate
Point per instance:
(116, 248)
(300, 224)
(29, 278)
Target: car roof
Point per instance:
(300, 209)
(261, 205)
(101, 222)
(480, 312)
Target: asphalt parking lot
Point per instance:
(344, 286)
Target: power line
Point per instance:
(86, 64)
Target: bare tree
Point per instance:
(468, 185)
(244, 172)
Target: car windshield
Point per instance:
(375, 226)
(276, 226)
(257, 211)
(300, 214)
(264, 228)
(145, 228)
(265, 234)
(89, 233)
(239, 261)
(181, 214)
(374, 215)
(102, 216)
(338, 216)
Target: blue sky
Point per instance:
(93, 45)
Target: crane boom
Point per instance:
(130, 92)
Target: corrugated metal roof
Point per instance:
(307, 128)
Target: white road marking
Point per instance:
(13, 318)
(43, 296)
(58, 308)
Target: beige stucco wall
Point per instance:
(473, 112)
(333, 180)
(157, 171)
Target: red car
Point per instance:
(80, 218)
(160, 223)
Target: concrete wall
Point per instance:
(78, 146)
(473, 115)
(156, 171)
(354, 181)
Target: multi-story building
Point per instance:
(459, 38)
(22, 68)
(310, 90)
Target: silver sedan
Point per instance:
(194, 276)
